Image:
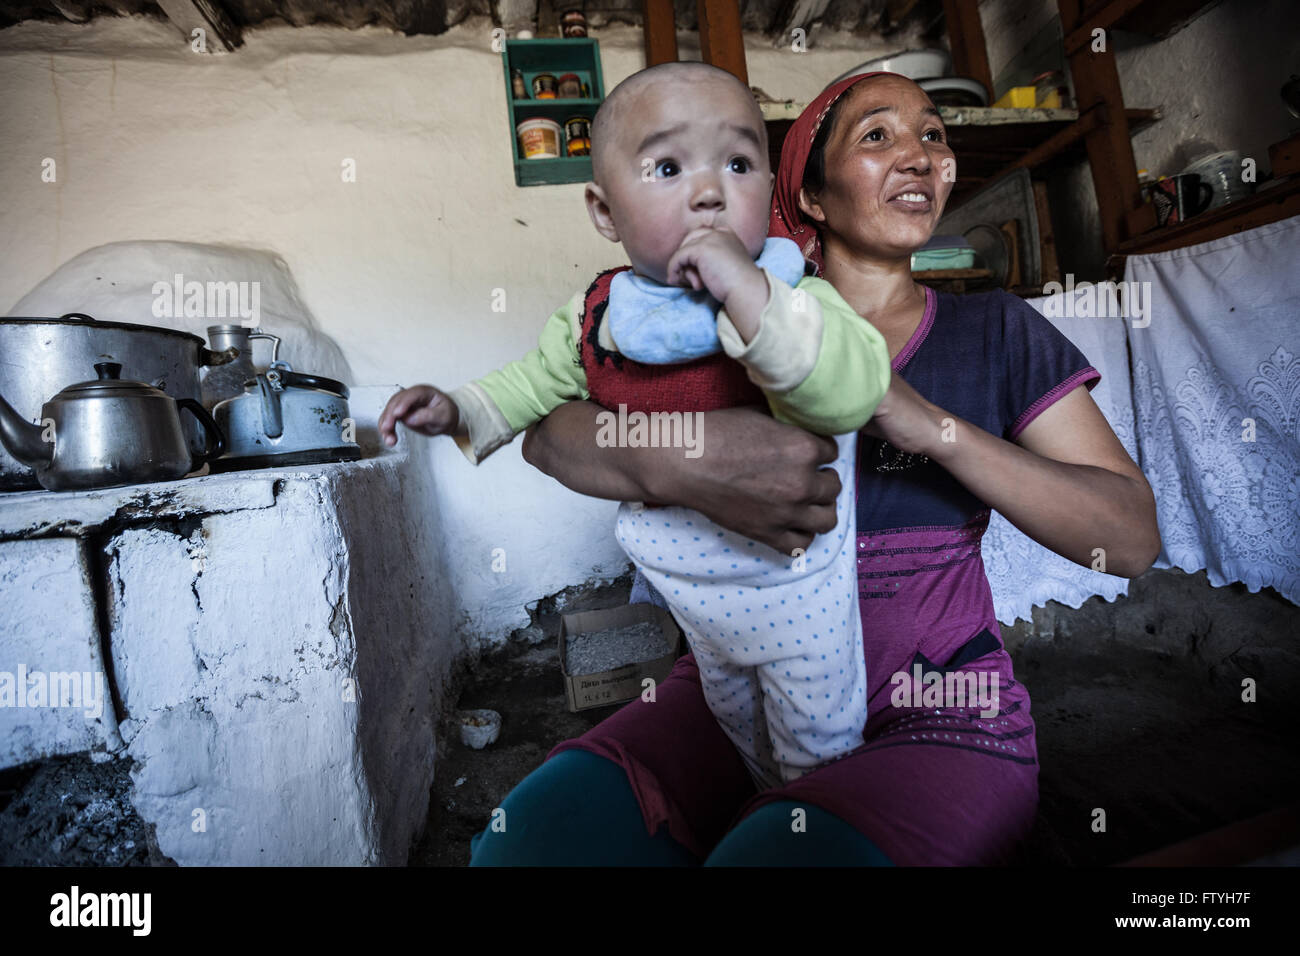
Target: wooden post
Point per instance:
(660, 32)
(970, 56)
(720, 39)
(1110, 148)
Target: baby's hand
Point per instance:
(713, 259)
(421, 408)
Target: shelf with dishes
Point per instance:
(989, 142)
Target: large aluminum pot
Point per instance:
(41, 356)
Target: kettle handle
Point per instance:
(216, 444)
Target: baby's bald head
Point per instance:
(618, 120)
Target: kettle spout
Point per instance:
(22, 439)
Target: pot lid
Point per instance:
(82, 320)
(108, 384)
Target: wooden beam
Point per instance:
(721, 42)
(1051, 270)
(205, 15)
(1110, 149)
(970, 56)
(660, 32)
(1103, 19)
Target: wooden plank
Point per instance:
(1270, 205)
(1103, 19)
(970, 56)
(1109, 146)
(1284, 157)
(1051, 269)
(1156, 18)
(660, 32)
(721, 42)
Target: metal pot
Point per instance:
(107, 432)
(42, 355)
(228, 381)
(285, 417)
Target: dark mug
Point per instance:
(1178, 198)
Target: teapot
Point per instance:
(107, 432)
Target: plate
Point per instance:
(954, 91)
(913, 64)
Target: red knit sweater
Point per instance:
(702, 385)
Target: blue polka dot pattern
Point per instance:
(751, 687)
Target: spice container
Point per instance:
(577, 136)
(544, 86)
(573, 24)
(517, 85)
(569, 87)
(539, 138)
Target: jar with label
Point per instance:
(544, 86)
(573, 24)
(577, 136)
(569, 87)
(539, 138)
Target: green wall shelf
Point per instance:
(556, 56)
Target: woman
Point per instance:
(988, 407)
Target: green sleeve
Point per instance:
(528, 390)
(850, 376)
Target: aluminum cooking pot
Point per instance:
(43, 355)
(106, 432)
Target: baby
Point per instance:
(711, 314)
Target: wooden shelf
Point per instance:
(1267, 205)
(988, 142)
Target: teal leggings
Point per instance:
(578, 809)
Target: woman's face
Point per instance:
(889, 171)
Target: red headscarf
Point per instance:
(788, 220)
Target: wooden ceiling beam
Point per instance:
(721, 42)
(660, 32)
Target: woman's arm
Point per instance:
(1068, 483)
(756, 476)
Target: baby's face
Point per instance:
(687, 154)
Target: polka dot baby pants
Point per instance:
(778, 638)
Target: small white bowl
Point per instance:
(478, 728)
(913, 64)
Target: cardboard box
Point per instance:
(622, 684)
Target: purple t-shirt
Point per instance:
(988, 358)
(995, 362)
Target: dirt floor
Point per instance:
(1154, 733)
(1138, 705)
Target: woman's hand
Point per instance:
(756, 476)
(906, 420)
